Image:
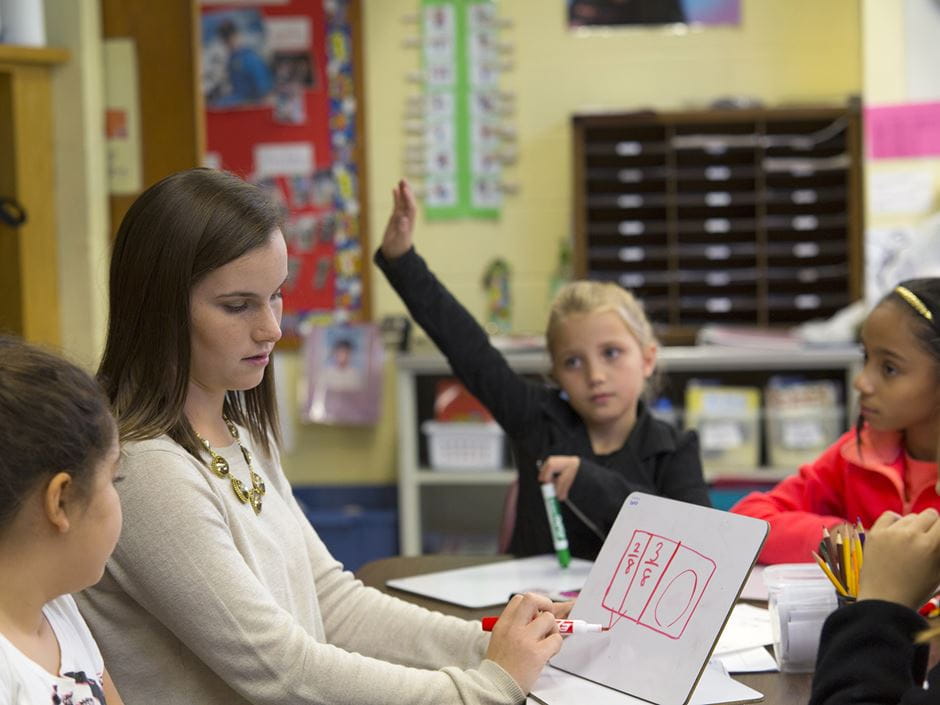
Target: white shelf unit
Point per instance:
(413, 479)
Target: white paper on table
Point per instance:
(754, 588)
(754, 660)
(493, 583)
(748, 627)
(556, 687)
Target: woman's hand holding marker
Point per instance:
(524, 638)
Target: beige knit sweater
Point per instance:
(205, 602)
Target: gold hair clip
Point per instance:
(915, 302)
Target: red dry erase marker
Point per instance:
(932, 605)
(565, 626)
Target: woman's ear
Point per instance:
(57, 498)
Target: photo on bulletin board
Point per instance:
(343, 372)
(616, 13)
(236, 72)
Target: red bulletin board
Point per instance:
(277, 127)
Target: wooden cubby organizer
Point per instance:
(749, 217)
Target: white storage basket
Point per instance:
(464, 446)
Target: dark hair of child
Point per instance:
(53, 418)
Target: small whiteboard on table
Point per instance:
(664, 582)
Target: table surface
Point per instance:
(778, 688)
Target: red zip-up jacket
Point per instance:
(844, 484)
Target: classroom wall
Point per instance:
(784, 52)
(81, 197)
(894, 46)
(794, 51)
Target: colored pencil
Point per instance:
(829, 574)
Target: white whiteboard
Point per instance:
(493, 583)
(664, 582)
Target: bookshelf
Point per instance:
(750, 217)
(467, 505)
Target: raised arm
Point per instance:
(512, 400)
(399, 231)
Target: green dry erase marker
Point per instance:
(559, 538)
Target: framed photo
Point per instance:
(343, 369)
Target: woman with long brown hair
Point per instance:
(219, 590)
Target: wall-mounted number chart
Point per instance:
(463, 140)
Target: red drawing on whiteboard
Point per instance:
(658, 584)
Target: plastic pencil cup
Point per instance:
(800, 597)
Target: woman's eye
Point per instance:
(236, 308)
(277, 294)
(612, 353)
(889, 370)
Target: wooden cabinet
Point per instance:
(29, 273)
(748, 217)
(172, 130)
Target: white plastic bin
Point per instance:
(464, 446)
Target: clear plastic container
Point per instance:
(799, 597)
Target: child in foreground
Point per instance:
(872, 652)
(59, 521)
(594, 438)
(888, 461)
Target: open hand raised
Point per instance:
(399, 231)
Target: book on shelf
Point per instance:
(753, 337)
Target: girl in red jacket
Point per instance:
(888, 461)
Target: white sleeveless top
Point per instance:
(25, 682)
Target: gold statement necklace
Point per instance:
(219, 466)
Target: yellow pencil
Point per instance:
(847, 563)
(829, 574)
(856, 564)
(859, 551)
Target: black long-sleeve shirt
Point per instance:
(655, 457)
(867, 656)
